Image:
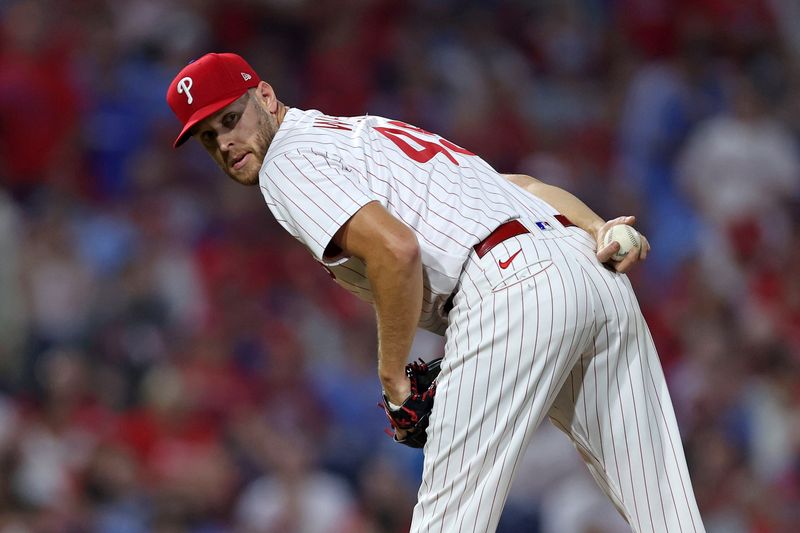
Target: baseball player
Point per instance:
(538, 322)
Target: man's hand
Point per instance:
(409, 418)
(604, 253)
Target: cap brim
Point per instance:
(201, 114)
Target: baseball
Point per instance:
(626, 236)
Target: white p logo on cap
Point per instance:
(183, 88)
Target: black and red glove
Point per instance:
(413, 415)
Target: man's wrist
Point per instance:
(594, 228)
(396, 390)
(392, 378)
(389, 404)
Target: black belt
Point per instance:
(509, 229)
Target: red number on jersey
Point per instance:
(429, 147)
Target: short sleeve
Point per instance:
(312, 194)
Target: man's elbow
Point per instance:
(398, 247)
(404, 248)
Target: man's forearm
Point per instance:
(567, 204)
(397, 289)
(391, 253)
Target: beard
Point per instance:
(266, 128)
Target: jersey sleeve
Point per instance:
(312, 194)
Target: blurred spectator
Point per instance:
(114, 487)
(13, 311)
(38, 97)
(386, 496)
(57, 281)
(294, 495)
(742, 172)
(57, 438)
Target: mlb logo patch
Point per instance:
(543, 225)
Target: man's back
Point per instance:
(451, 198)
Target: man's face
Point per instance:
(237, 137)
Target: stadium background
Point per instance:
(170, 361)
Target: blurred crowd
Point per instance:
(171, 361)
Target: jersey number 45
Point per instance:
(429, 144)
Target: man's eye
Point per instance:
(207, 137)
(229, 120)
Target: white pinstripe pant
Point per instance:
(555, 334)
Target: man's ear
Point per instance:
(267, 94)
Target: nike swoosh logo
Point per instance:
(504, 264)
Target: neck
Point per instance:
(282, 109)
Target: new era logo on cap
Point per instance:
(205, 86)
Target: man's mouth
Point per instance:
(239, 161)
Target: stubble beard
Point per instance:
(267, 127)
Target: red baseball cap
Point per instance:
(205, 86)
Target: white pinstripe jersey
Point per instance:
(319, 170)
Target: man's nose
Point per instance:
(225, 141)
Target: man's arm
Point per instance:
(583, 217)
(391, 253)
(567, 204)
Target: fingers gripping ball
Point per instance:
(413, 416)
(626, 236)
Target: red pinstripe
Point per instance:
(513, 396)
(622, 412)
(672, 446)
(335, 184)
(527, 385)
(608, 401)
(660, 440)
(636, 412)
(483, 415)
(412, 177)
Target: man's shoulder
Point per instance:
(303, 121)
(293, 134)
(315, 132)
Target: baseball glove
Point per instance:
(413, 415)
